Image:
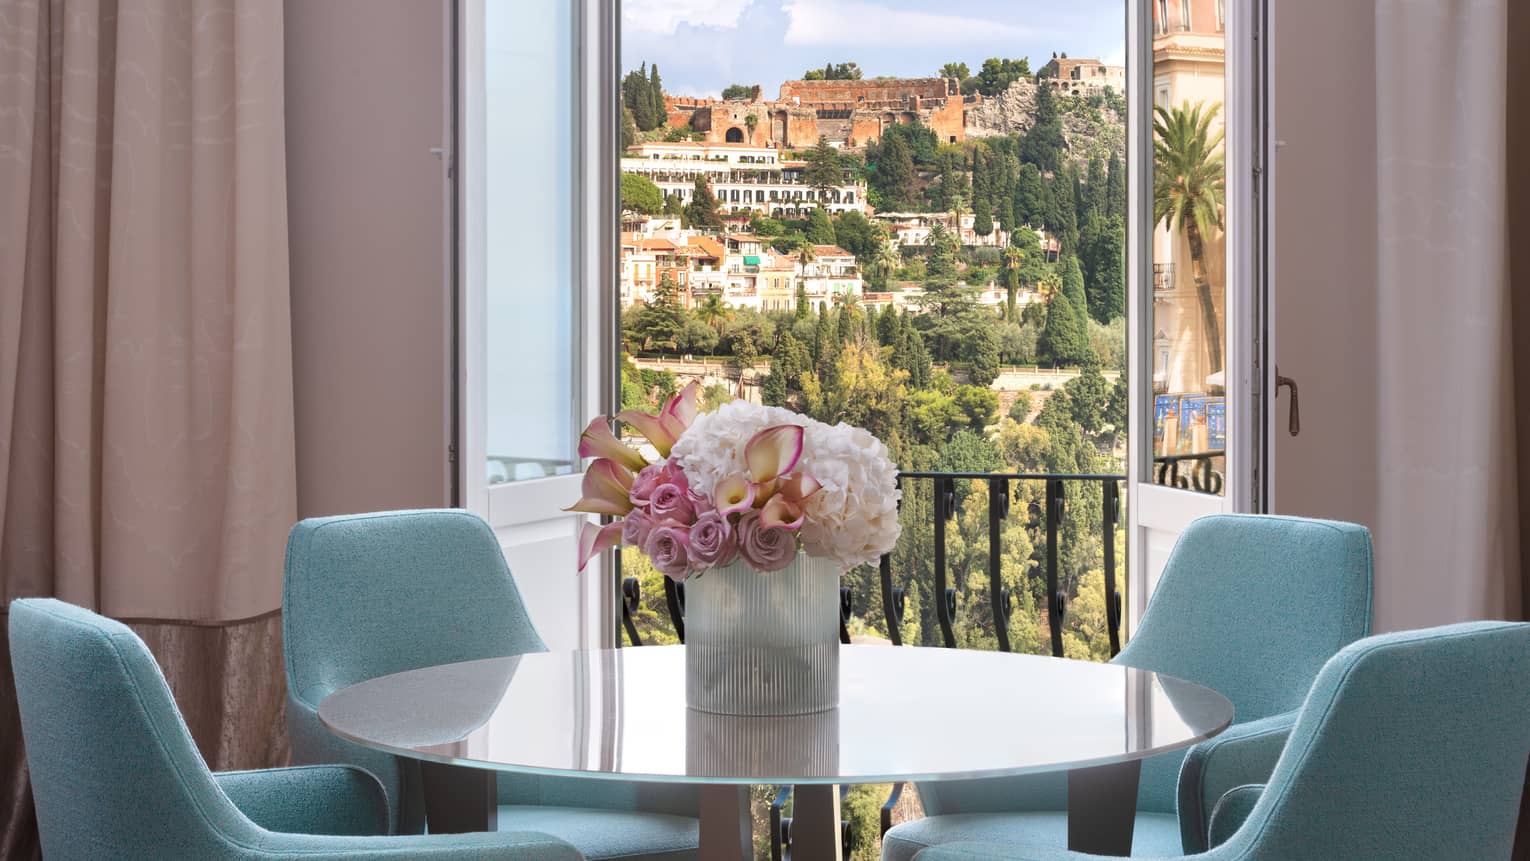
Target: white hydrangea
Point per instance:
(852, 519)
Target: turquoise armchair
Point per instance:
(115, 773)
(1248, 605)
(372, 594)
(1411, 746)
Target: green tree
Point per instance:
(659, 325)
(751, 122)
(984, 347)
(673, 205)
(1063, 339)
(1188, 186)
(736, 92)
(656, 96)
(639, 194)
(1115, 188)
(635, 96)
(997, 74)
(884, 262)
(834, 72)
(1020, 410)
(714, 312)
(892, 173)
(1105, 270)
(1073, 284)
(1044, 144)
(860, 236)
(978, 404)
(820, 231)
(955, 70)
(982, 217)
(701, 212)
(629, 128)
(1088, 397)
(823, 170)
(804, 309)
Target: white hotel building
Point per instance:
(743, 178)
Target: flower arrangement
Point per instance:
(746, 482)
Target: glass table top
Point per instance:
(905, 714)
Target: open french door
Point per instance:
(535, 250)
(1197, 305)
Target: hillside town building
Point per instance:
(743, 178)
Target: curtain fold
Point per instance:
(1447, 528)
(146, 415)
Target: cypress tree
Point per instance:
(656, 96)
(1073, 284)
(887, 328)
(1115, 189)
(1062, 338)
(804, 309)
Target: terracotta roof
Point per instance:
(830, 251)
(710, 247)
(656, 245)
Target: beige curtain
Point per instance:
(146, 428)
(1447, 528)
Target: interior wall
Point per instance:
(1325, 272)
(366, 103)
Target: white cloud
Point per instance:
(843, 22)
(665, 16)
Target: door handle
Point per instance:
(1295, 424)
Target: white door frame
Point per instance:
(573, 609)
(1157, 514)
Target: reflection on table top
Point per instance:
(904, 714)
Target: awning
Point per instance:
(751, 260)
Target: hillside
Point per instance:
(1091, 127)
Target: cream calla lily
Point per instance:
(598, 441)
(606, 487)
(734, 495)
(773, 452)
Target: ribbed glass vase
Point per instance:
(763, 643)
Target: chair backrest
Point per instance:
(367, 595)
(1251, 606)
(1410, 745)
(114, 770)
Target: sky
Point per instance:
(702, 46)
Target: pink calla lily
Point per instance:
(773, 452)
(683, 406)
(781, 513)
(606, 487)
(597, 539)
(653, 427)
(734, 495)
(598, 441)
(799, 486)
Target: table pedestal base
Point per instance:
(1102, 808)
(815, 823)
(459, 800)
(727, 828)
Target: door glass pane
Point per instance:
(1189, 316)
(529, 239)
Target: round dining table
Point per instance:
(905, 714)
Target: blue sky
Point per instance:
(702, 46)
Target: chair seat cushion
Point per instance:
(601, 834)
(1156, 834)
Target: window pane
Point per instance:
(529, 264)
(1189, 251)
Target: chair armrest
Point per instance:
(1244, 754)
(1231, 811)
(310, 799)
(999, 852)
(499, 846)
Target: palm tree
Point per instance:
(885, 262)
(714, 312)
(1189, 180)
(751, 121)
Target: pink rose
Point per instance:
(711, 540)
(650, 478)
(635, 528)
(672, 502)
(669, 549)
(765, 548)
